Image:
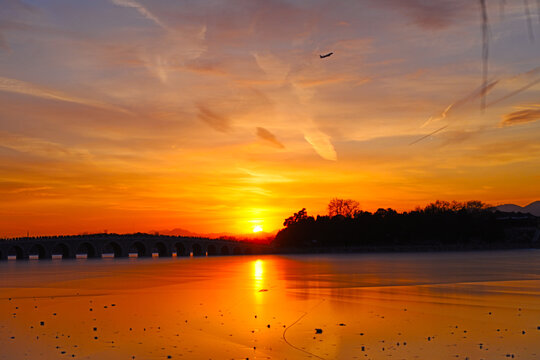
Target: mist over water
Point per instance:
(416, 305)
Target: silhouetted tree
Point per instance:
(385, 212)
(344, 207)
(475, 206)
(439, 225)
(440, 206)
(297, 217)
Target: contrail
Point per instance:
(529, 21)
(478, 93)
(428, 135)
(485, 51)
(513, 93)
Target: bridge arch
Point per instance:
(211, 250)
(180, 249)
(61, 249)
(237, 250)
(112, 247)
(161, 249)
(87, 249)
(137, 248)
(16, 251)
(38, 250)
(225, 250)
(196, 249)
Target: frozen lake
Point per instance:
(475, 305)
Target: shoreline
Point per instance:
(404, 249)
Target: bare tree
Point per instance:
(343, 207)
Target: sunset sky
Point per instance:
(219, 116)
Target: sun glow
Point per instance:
(257, 228)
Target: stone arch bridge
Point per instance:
(113, 245)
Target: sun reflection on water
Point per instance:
(258, 277)
(258, 270)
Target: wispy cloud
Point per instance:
(34, 146)
(431, 14)
(174, 48)
(218, 122)
(30, 189)
(272, 66)
(12, 17)
(268, 136)
(3, 43)
(141, 10)
(321, 143)
(25, 88)
(298, 98)
(214, 86)
(157, 66)
(259, 178)
(521, 117)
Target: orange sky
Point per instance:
(131, 115)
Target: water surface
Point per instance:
(476, 305)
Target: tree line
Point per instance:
(438, 225)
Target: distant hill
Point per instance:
(177, 232)
(260, 237)
(532, 208)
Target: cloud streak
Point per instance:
(34, 146)
(300, 95)
(321, 144)
(520, 117)
(141, 10)
(3, 43)
(217, 122)
(269, 137)
(432, 15)
(25, 88)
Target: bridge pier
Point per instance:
(143, 245)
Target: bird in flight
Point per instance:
(324, 56)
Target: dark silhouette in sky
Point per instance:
(326, 55)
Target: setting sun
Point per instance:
(262, 180)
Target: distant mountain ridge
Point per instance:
(262, 236)
(532, 208)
